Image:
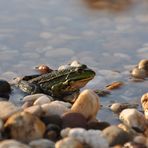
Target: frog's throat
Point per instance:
(75, 85)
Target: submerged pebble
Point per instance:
(143, 64)
(141, 70)
(118, 107)
(87, 104)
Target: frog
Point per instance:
(58, 83)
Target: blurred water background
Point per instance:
(110, 36)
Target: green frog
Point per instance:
(58, 83)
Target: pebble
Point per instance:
(24, 127)
(97, 125)
(12, 144)
(42, 100)
(131, 132)
(64, 132)
(115, 135)
(34, 110)
(93, 138)
(141, 70)
(33, 97)
(54, 119)
(52, 132)
(133, 145)
(42, 143)
(134, 119)
(114, 85)
(43, 69)
(5, 89)
(87, 104)
(1, 125)
(144, 102)
(143, 64)
(54, 109)
(69, 142)
(7, 109)
(138, 73)
(140, 139)
(72, 120)
(66, 104)
(118, 107)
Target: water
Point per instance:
(108, 36)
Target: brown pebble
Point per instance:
(114, 85)
(73, 120)
(43, 69)
(97, 125)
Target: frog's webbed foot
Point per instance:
(29, 88)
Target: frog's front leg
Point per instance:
(58, 89)
(29, 88)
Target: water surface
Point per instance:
(108, 36)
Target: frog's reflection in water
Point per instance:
(113, 5)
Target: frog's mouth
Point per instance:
(75, 85)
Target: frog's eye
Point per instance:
(79, 70)
(83, 66)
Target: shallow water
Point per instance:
(108, 36)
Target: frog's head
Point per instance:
(79, 77)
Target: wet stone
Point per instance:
(7, 109)
(73, 120)
(12, 144)
(42, 143)
(115, 135)
(24, 127)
